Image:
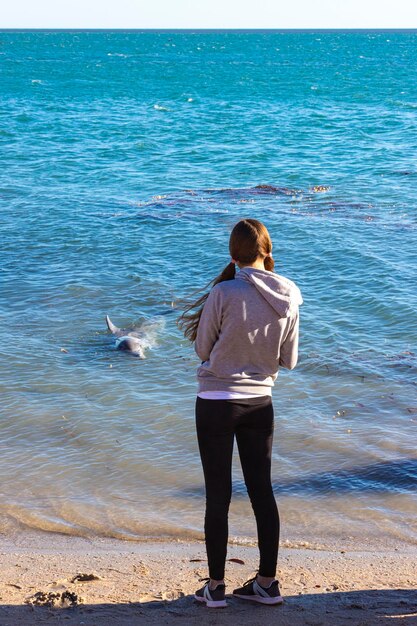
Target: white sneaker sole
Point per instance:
(260, 599)
(212, 604)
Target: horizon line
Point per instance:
(299, 29)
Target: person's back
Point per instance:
(257, 313)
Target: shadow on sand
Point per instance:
(355, 608)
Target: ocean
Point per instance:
(126, 158)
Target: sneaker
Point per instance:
(214, 598)
(252, 590)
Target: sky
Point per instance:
(143, 14)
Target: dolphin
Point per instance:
(130, 341)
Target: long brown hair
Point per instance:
(248, 241)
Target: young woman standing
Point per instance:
(244, 329)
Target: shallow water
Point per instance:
(126, 159)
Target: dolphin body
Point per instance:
(130, 341)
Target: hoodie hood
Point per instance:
(281, 293)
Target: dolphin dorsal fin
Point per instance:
(112, 328)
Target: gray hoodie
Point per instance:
(248, 328)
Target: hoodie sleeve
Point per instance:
(209, 326)
(288, 355)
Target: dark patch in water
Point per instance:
(386, 477)
(190, 203)
(258, 190)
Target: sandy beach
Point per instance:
(103, 581)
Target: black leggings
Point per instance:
(252, 422)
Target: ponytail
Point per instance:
(188, 322)
(249, 241)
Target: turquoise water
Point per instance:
(126, 158)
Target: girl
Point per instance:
(244, 329)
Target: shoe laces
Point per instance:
(207, 583)
(254, 580)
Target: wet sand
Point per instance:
(131, 583)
